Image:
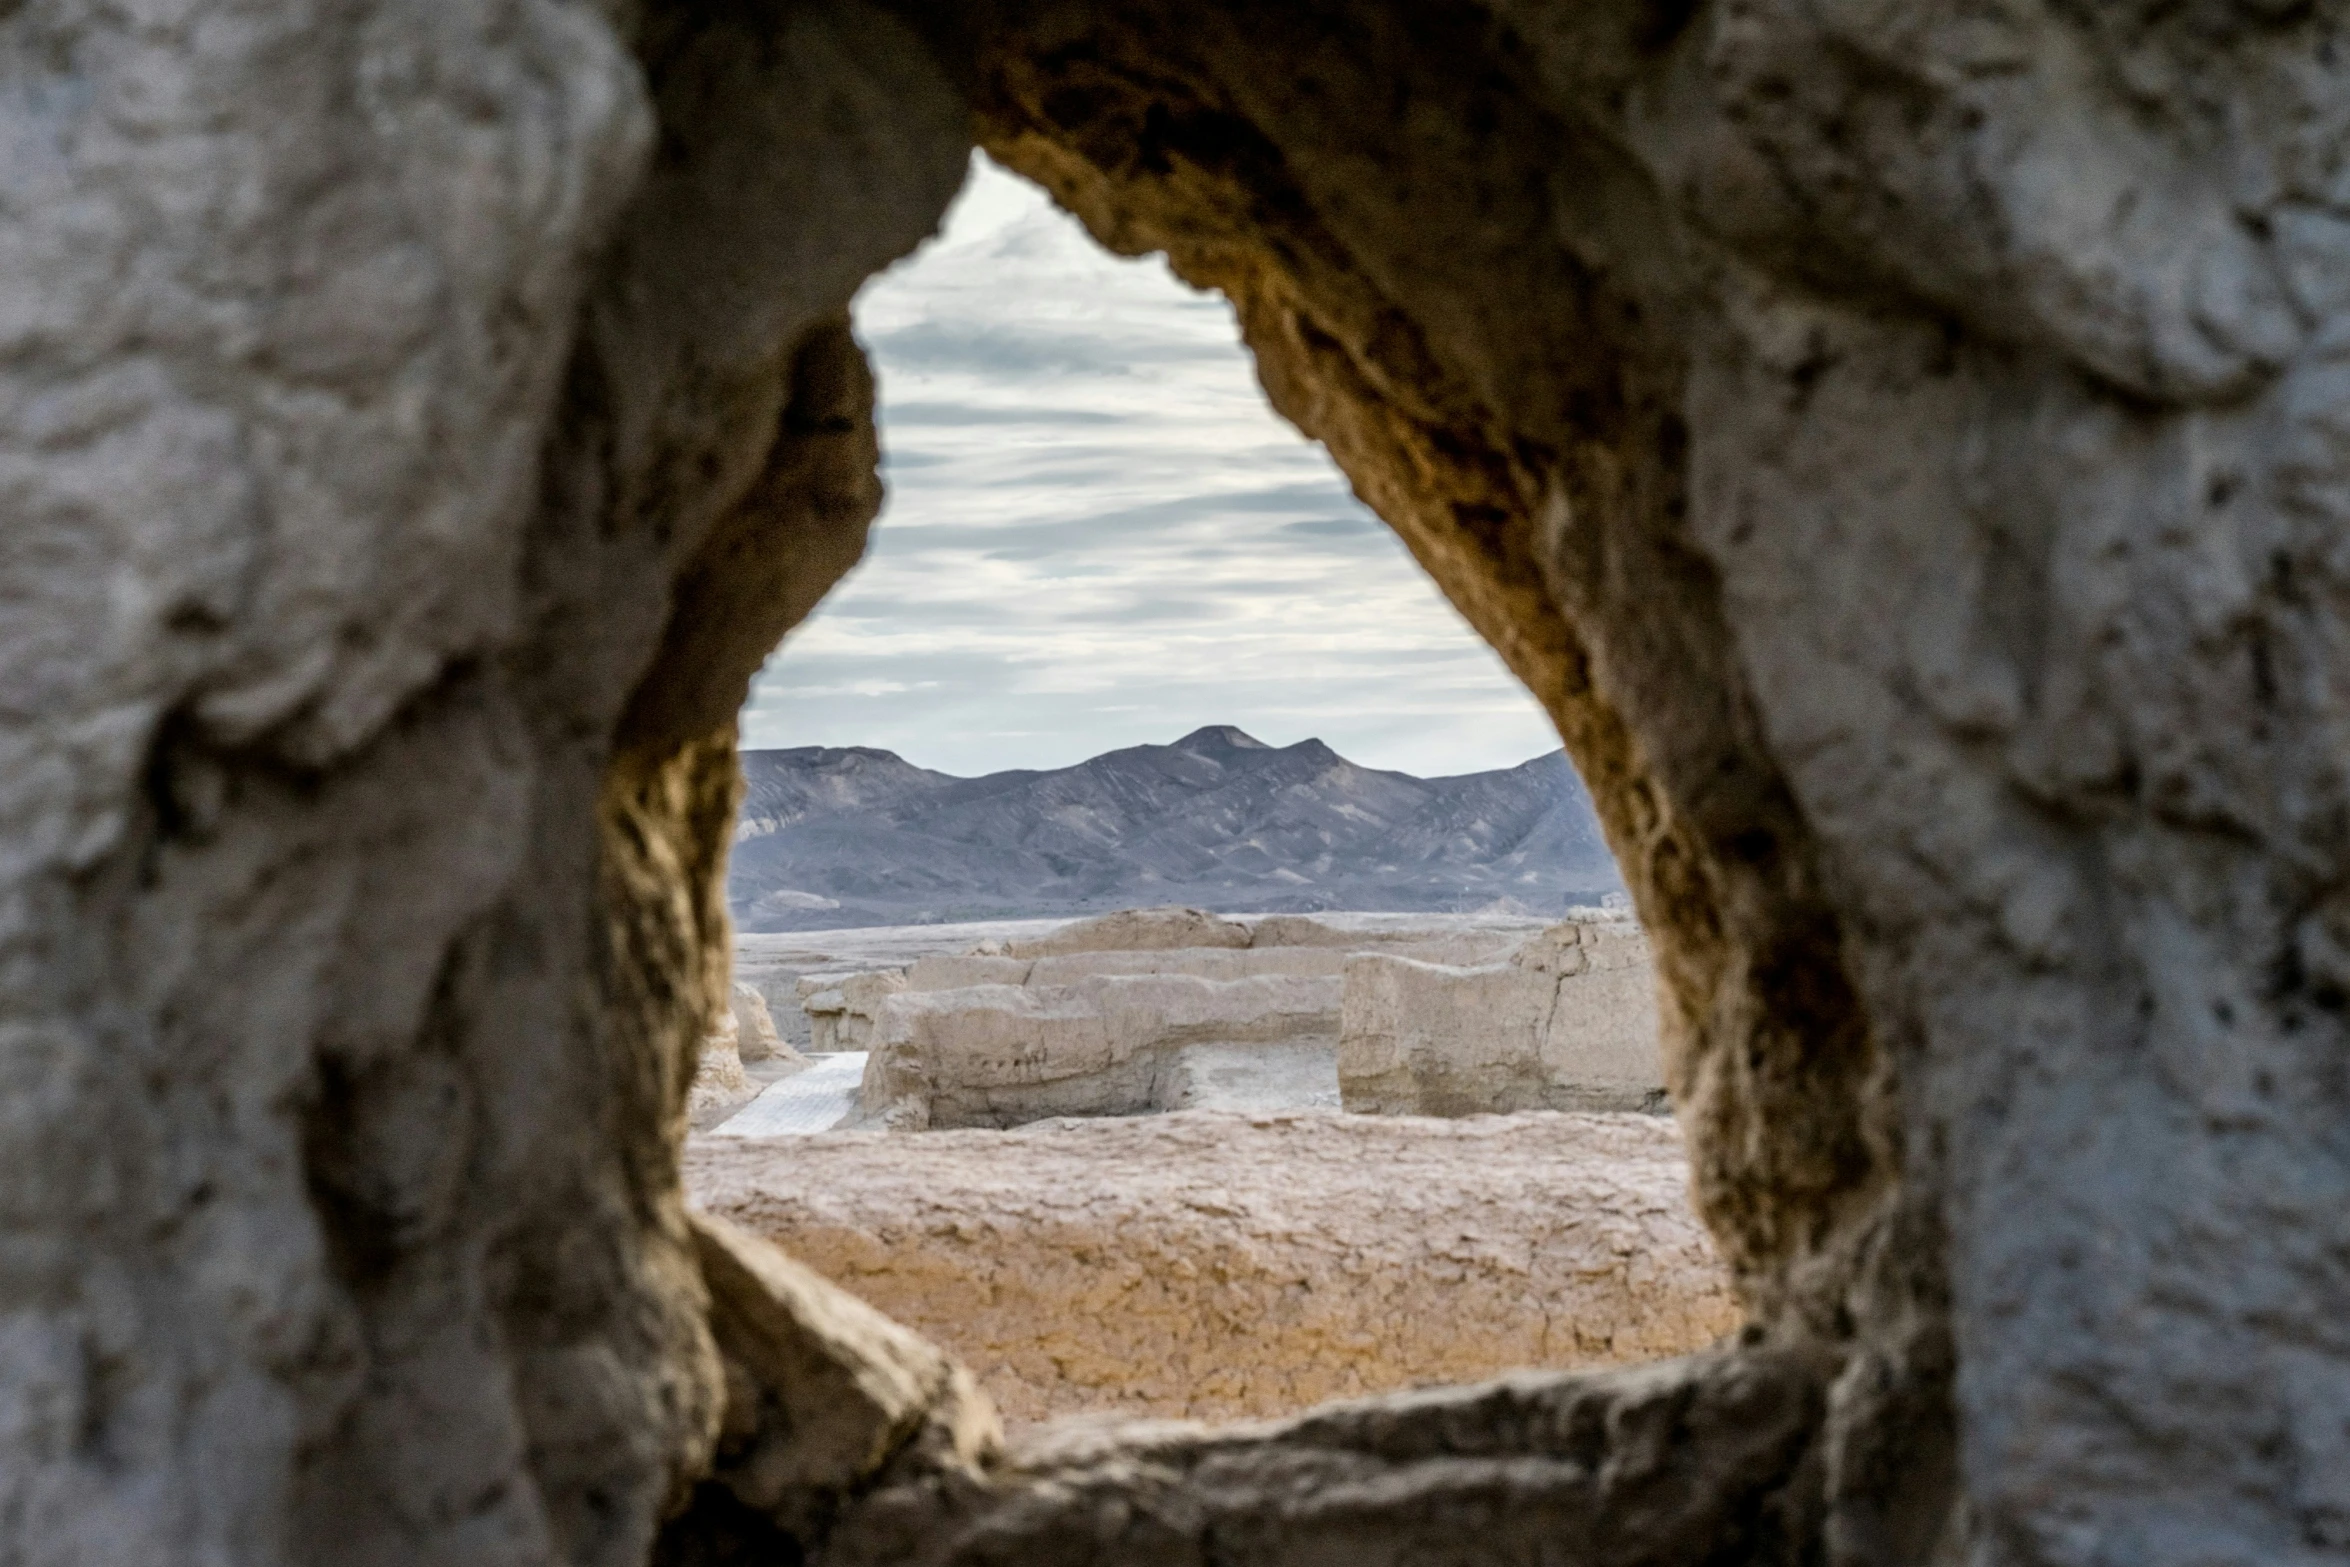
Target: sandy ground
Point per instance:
(1220, 1265)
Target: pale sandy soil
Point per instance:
(1220, 1265)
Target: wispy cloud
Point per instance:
(1098, 534)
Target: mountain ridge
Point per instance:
(834, 836)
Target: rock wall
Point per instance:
(1569, 1023)
(842, 1011)
(1136, 930)
(1903, 446)
(1104, 1044)
(1681, 1461)
(1217, 1266)
(755, 1034)
(381, 378)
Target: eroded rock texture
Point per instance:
(1219, 1265)
(1904, 445)
(1900, 444)
(1706, 1460)
(1567, 1023)
(381, 383)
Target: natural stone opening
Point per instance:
(1903, 449)
(1248, 1259)
(1763, 1024)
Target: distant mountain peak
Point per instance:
(1221, 737)
(837, 836)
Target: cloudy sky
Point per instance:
(1098, 535)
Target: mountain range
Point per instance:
(832, 837)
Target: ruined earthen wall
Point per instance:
(1001, 1055)
(377, 377)
(1564, 1026)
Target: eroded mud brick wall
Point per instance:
(1905, 446)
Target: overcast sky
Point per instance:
(1098, 535)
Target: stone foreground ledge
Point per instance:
(1708, 1461)
(1218, 1265)
(1107, 1045)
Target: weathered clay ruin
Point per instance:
(1906, 447)
(1118, 1017)
(1565, 1022)
(745, 1036)
(1236, 1257)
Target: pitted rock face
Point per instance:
(1221, 1265)
(1903, 446)
(356, 941)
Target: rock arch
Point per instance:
(1902, 446)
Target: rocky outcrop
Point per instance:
(756, 1038)
(1217, 1265)
(745, 1034)
(720, 1084)
(842, 1010)
(1569, 1023)
(1136, 930)
(375, 402)
(1903, 447)
(824, 1397)
(1711, 1459)
(1104, 1044)
(1081, 1025)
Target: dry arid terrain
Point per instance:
(1211, 1264)
(1905, 449)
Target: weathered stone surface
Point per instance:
(373, 377)
(948, 971)
(1216, 963)
(1569, 1023)
(823, 1395)
(720, 1084)
(1711, 1460)
(1220, 1265)
(1107, 1044)
(1429, 943)
(1136, 930)
(1902, 446)
(755, 1035)
(1319, 959)
(842, 1011)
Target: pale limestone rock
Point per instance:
(1105, 1044)
(720, 1084)
(1299, 930)
(1217, 963)
(1136, 930)
(1903, 447)
(1220, 1265)
(822, 1391)
(1430, 944)
(1569, 1023)
(1650, 1464)
(946, 971)
(755, 1035)
(841, 1010)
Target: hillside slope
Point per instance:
(833, 837)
